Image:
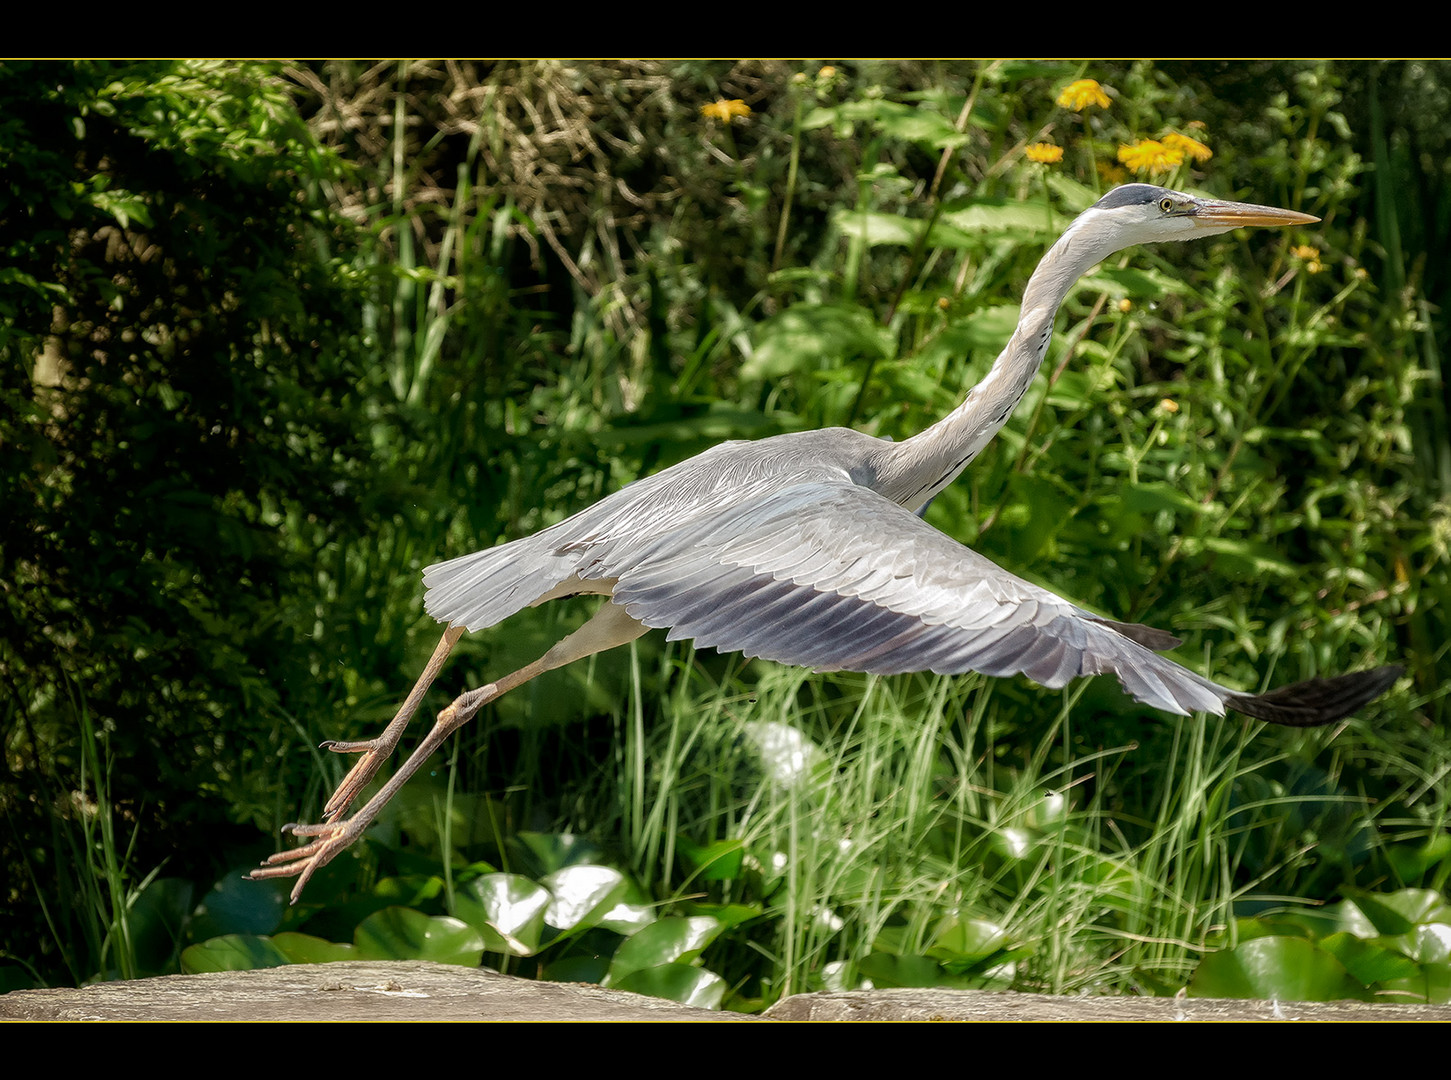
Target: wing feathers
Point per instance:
(831, 575)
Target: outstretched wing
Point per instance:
(830, 575)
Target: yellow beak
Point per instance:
(1234, 214)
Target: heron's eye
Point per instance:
(1166, 204)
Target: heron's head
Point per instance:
(1145, 214)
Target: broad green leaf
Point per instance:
(397, 933)
(1367, 961)
(969, 940)
(672, 940)
(1137, 282)
(580, 895)
(1152, 496)
(677, 982)
(720, 861)
(306, 949)
(507, 909)
(885, 970)
(987, 328)
(236, 905)
(1022, 222)
(1412, 861)
(577, 969)
(1240, 558)
(1429, 943)
(877, 228)
(157, 915)
(411, 890)
(1012, 843)
(891, 118)
(545, 853)
(1274, 968)
(1398, 912)
(729, 915)
(1432, 985)
(232, 952)
(787, 756)
(631, 912)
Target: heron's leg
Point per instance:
(376, 751)
(610, 626)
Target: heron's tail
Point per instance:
(1317, 701)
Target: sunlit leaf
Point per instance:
(579, 895)
(677, 982)
(507, 909)
(666, 941)
(966, 939)
(404, 934)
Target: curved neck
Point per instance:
(912, 472)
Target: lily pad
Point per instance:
(397, 933)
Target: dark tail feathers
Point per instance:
(1317, 701)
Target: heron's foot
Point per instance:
(331, 839)
(332, 836)
(375, 752)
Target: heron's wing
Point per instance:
(832, 576)
(486, 587)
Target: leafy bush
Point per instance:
(184, 389)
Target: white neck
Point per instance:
(913, 471)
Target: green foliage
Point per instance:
(1389, 947)
(579, 922)
(184, 383)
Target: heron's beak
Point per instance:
(1235, 214)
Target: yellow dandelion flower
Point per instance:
(1044, 153)
(1149, 155)
(1311, 256)
(1111, 174)
(1190, 148)
(828, 72)
(1081, 93)
(725, 111)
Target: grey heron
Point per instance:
(806, 549)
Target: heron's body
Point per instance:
(775, 549)
(807, 549)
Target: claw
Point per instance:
(302, 862)
(331, 836)
(339, 746)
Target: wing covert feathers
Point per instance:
(829, 575)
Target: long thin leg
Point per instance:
(376, 751)
(610, 626)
